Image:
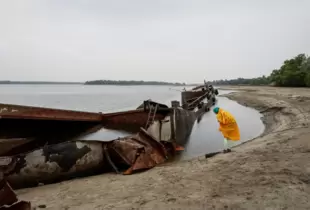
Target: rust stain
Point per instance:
(140, 151)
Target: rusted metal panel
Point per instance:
(184, 122)
(187, 96)
(155, 128)
(129, 121)
(10, 111)
(141, 151)
(196, 102)
(42, 132)
(25, 122)
(191, 99)
(7, 196)
(8, 199)
(7, 145)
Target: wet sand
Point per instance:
(270, 172)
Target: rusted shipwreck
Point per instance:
(42, 145)
(191, 98)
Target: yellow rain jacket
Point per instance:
(228, 125)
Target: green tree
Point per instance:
(294, 72)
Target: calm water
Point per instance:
(205, 137)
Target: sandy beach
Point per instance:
(271, 171)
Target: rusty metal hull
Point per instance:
(35, 122)
(10, 111)
(177, 127)
(41, 158)
(187, 96)
(41, 145)
(139, 152)
(79, 158)
(6, 145)
(193, 98)
(54, 162)
(39, 126)
(38, 133)
(130, 121)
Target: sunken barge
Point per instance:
(42, 145)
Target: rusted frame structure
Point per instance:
(52, 134)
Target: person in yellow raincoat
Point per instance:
(228, 127)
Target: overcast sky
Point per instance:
(168, 40)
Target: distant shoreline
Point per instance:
(131, 82)
(38, 83)
(97, 82)
(135, 85)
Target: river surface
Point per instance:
(205, 137)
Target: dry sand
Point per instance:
(270, 172)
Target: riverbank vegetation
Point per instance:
(294, 72)
(130, 82)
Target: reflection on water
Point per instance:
(205, 137)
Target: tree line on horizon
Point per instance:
(8, 82)
(131, 82)
(294, 72)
